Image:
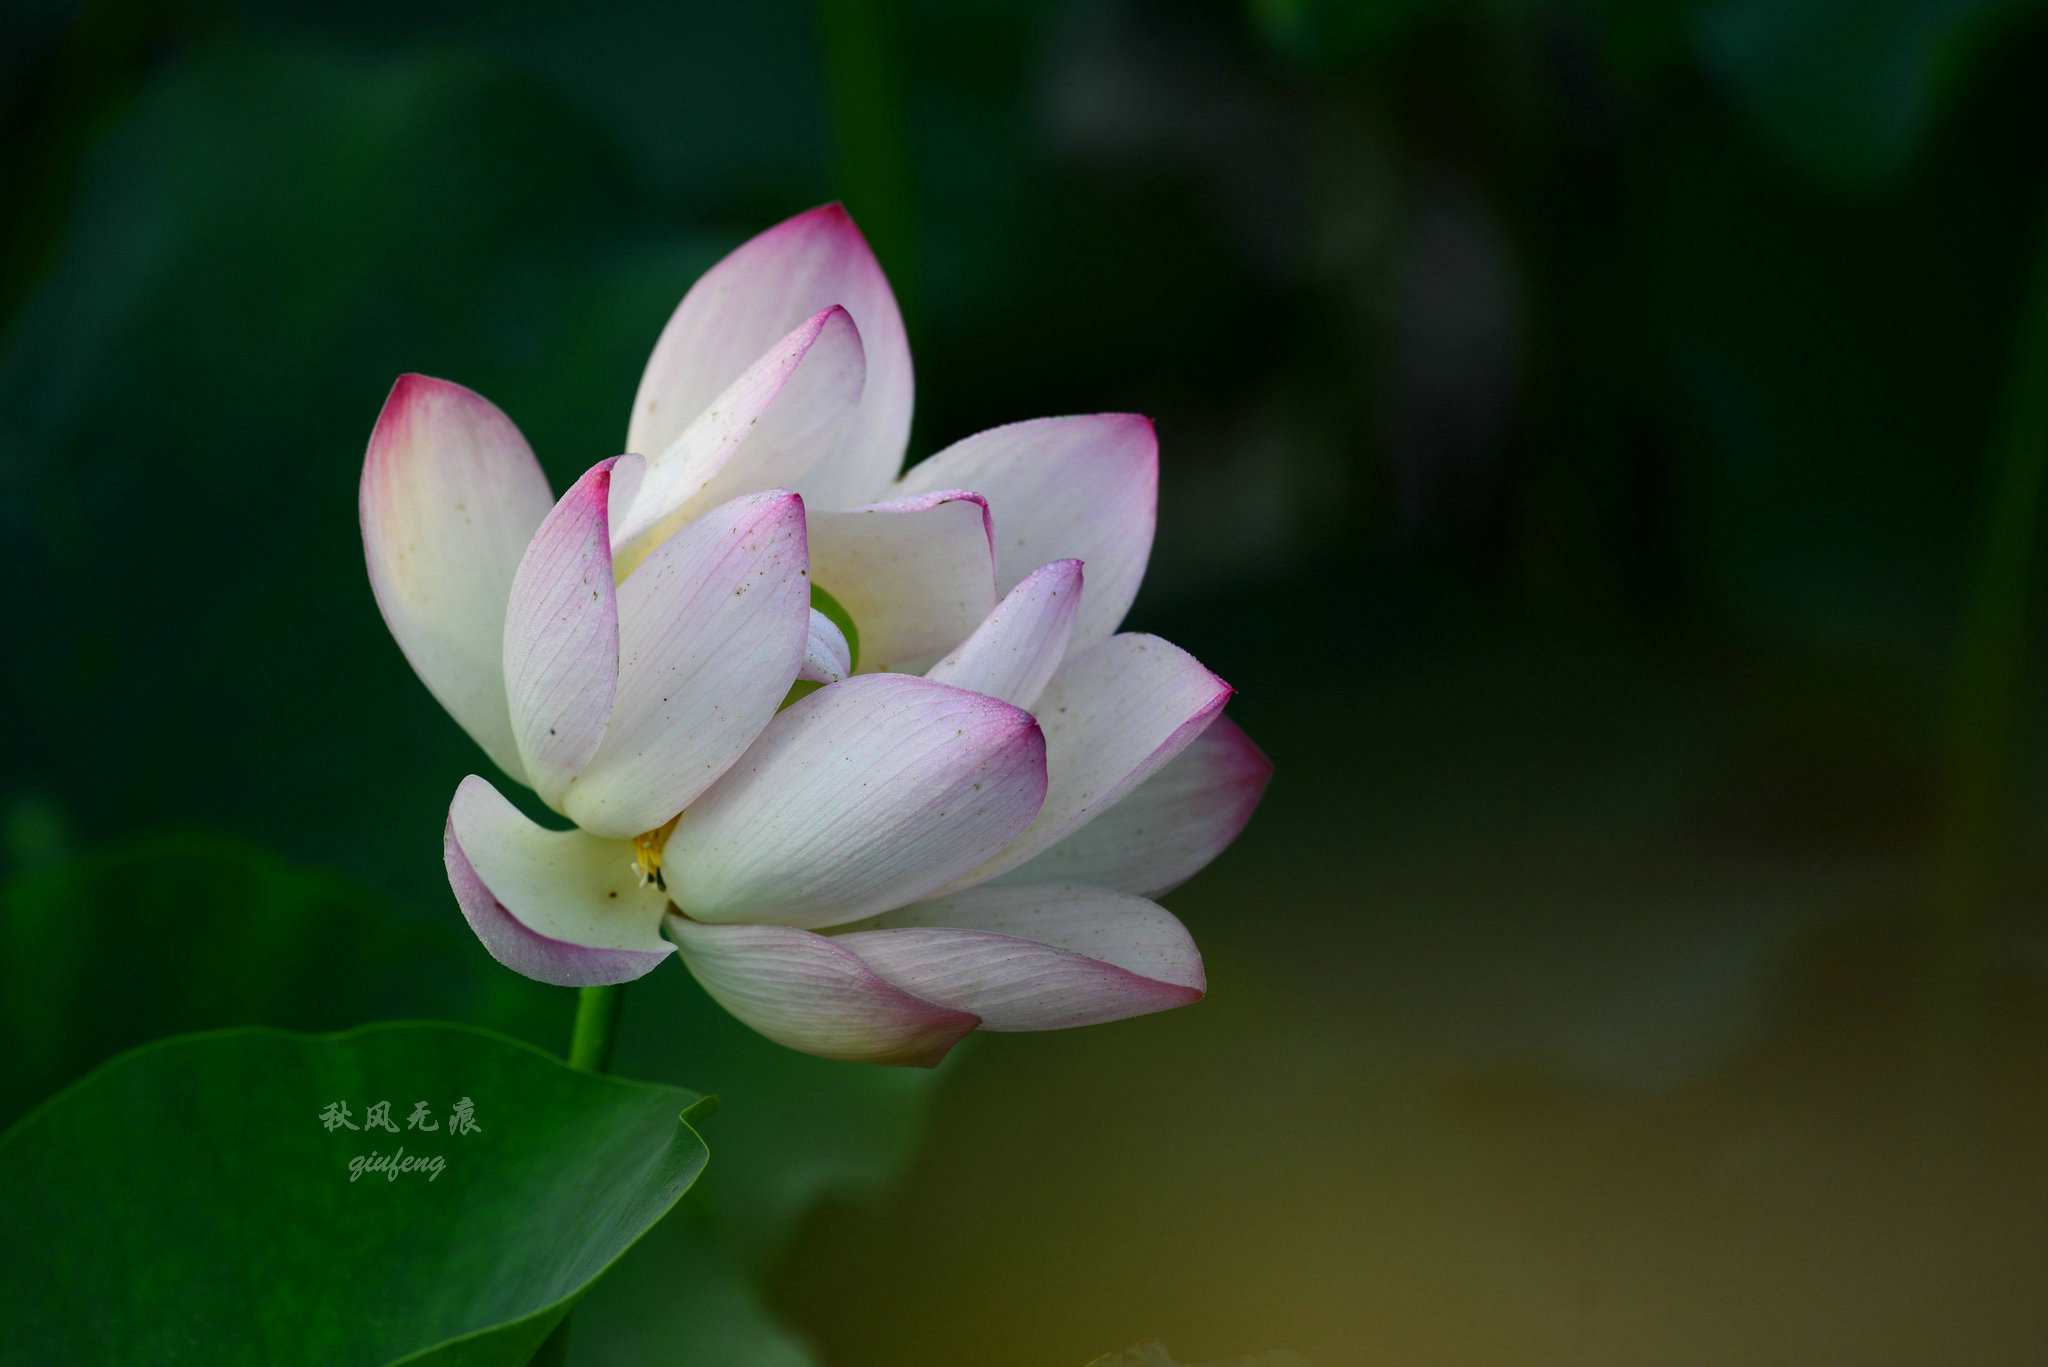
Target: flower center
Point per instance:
(647, 847)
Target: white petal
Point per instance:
(560, 906)
(1084, 488)
(804, 991)
(1036, 958)
(1113, 716)
(758, 293)
(712, 628)
(450, 496)
(917, 575)
(1016, 649)
(562, 634)
(764, 432)
(863, 796)
(826, 656)
(1169, 827)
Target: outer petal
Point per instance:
(712, 628)
(562, 634)
(1086, 488)
(917, 575)
(1013, 653)
(1169, 827)
(827, 658)
(758, 293)
(863, 796)
(560, 906)
(810, 993)
(1113, 717)
(450, 496)
(765, 431)
(1036, 958)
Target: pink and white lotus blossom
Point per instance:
(977, 845)
(621, 700)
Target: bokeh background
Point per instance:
(1603, 441)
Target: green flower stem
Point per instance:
(590, 1048)
(1984, 703)
(597, 1027)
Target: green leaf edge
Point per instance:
(698, 1109)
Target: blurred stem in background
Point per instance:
(1982, 722)
(590, 1048)
(865, 79)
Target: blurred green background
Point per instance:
(1603, 442)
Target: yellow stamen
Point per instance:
(647, 848)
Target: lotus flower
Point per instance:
(622, 700)
(977, 845)
(1146, 784)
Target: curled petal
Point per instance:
(712, 629)
(1113, 716)
(562, 633)
(1085, 488)
(737, 310)
(811, 993)
(1036, 958)
(563, 907)
(450, 496)
(826, 656)
(763, 432)
(862, 796)
(1013, 653)
(1169, 827)
(916, 575)
(1117, 928)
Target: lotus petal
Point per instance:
(562, 633)
(862, 796)
(564, 907)
(1084, 488)
(737, 310)
(450, 496)
(712, 630)
(1035, 958)
(827, 659)
(1113, 716)
(810, 993)
(1169, 827)
(917, 575)
(1012, 655)
(764, 431)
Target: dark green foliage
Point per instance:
(188, 1204)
